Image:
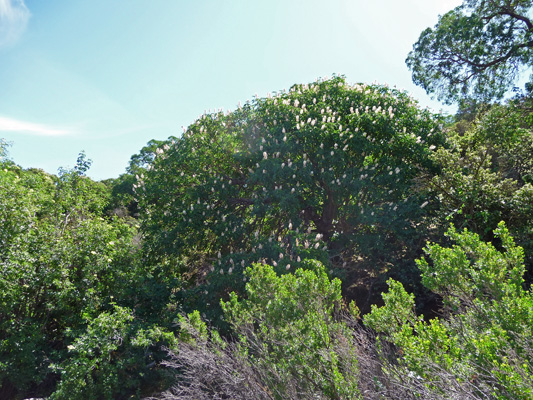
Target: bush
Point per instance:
(110, 360)
(485, 347)
(63, 266)
(292, 342)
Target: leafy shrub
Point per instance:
(485, 345)
(62, 266)
(109, 360)
(292, 342)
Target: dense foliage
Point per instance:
(476, 50)
(486, 173)
(485, 344)
(296, 340)
(64, 267)
(207, 269)
(326, 171)
(292, 342)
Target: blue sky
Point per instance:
(107, 76)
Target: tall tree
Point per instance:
(476, 50)
(325, 171)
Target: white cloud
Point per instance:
(13, 125)
(14, 16)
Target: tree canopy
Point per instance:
(476, 50)
(324, 171)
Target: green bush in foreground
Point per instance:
(486, 344)
(292, 342)
(289, 324)
(108, 361)
(296, 341)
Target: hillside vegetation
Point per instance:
(334, 241)
(219, 255)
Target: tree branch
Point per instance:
(505, 57)
(510, 12)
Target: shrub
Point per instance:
(485, 346)
(292, 343)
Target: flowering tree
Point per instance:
(325, 171)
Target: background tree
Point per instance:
(123, 202)
(140, 161)
(4, 153)
(476, 50)
(486, 173)
(3, 149)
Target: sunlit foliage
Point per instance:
(325, 171)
